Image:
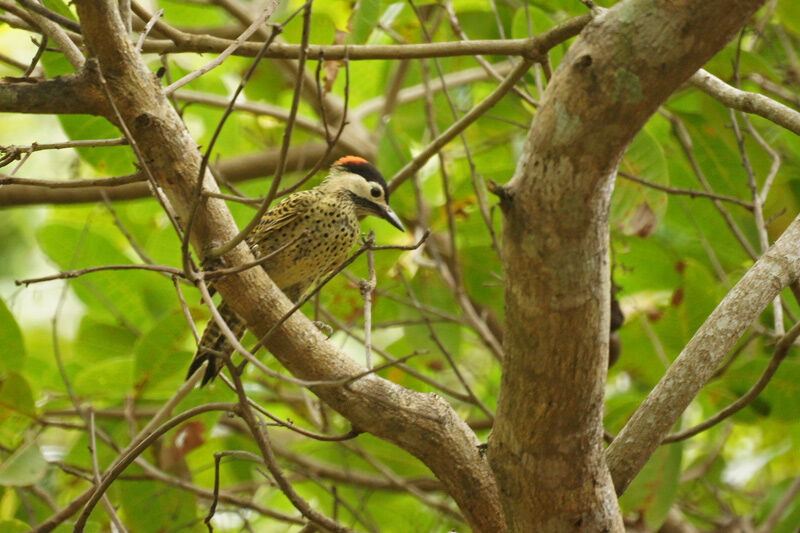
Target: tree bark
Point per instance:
(422, 424)
(546, 446)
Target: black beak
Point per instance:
(390, 216)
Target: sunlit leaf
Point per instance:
(24, 467)
(12, 353)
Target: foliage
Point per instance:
(125, 344)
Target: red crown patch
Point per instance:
(349, 159)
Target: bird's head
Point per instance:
(365, 185)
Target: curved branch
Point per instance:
(754, 103)
(422, 424)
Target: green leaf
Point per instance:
(12, 353)
(98, 340)
(16, 396)
(117, 293)
(109, 379)
(540, 22)
(158, 353)
(14, 526)
(24, 467)
(59, 7)
(365, 20)
(150, 507)
(107, 160)
(654, 490)
(638, 209)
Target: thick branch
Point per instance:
(72, 94)
(422, 424)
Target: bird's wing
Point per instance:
(289, 209)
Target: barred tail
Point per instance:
(213, 344)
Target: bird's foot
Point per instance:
(324, 328)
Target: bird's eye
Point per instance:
(375, 192)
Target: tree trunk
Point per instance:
(546, 446)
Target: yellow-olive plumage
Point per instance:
(317, 229)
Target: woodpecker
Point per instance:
(321, 225)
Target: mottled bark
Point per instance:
(72, 94)
(546, 446)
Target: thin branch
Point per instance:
(127, 458)
(398, 362)
(55, 32)
(456, 25)
(533, 48)
(289, 425)
(69, 274)
(332, 142)
(754, 103)
(72, 184)
(147, 28)
(366, 287)
(780, 508)
(139, 157)
(266, 12)
(206, 157)
(262, 440)
(449, 134)
(758, 213)
(186, 312)
(162, 27)
(117, 222)
(692, 193)
(38, 9)
(112, 513)
(36, 57)
(477, 401)
(781, 350)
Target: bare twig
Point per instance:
(131, 453)
(477, 401)
(367, 286)
(43, 19)
(36, 57)
(266, 12)
(527, 48)
(112, 513)
(117, 222)
(186, 312)
(758, 213)
(72, 184)
(262, 440)
(692, 193)
(69, 274)
(149, 26)
(415, 164)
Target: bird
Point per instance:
(309, 233)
